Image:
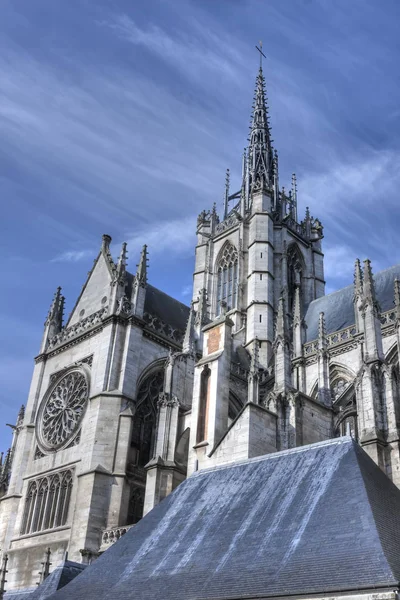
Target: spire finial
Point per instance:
(141, 273)
(261, 53)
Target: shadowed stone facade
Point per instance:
(136, 392)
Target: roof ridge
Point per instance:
(273, 455)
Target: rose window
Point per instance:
(62, 410)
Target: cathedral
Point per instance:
(137, 394)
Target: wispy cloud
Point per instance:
(72, 256)
(185, 51)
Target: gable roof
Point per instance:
(317, 519)
(339, 308)
(63, 574)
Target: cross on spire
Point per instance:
(261, 52)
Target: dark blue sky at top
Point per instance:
(121, 117)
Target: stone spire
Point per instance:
(55, 315)
(254, 376)
(54, 321)
(3, 574)
(118, 301)
(397, 298)
(121, 265)
(358, 296)
(141, 273)
(140, 284)
(5, 472)
(226, 194)
(293, 208)
(324, 393)
(371, 318)
(44, 573)
(261, 161)
(283, 375)
(298, 325)
(369, 286)
(276, 180)
(189, 341)
(358, 278)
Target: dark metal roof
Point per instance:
(166, 308)
(318, 519)
(338, 306)
(61, 576)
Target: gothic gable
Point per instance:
(95, 294)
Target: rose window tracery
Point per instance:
(62, 410)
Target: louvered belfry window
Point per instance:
(47, 502)
(227, 278)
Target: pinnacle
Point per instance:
(141, 273)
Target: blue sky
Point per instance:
(122, 116)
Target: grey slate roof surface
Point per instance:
(61, 576)
(338, 306)
(165, 307)
(318, 519)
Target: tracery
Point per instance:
(227, 278)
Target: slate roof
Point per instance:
(314, 520)
(338, 306)
(166, 308)
(61, 576)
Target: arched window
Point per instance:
(144, 420)
(203, 405)
(227, 278)
(47, 502)
(142, 440)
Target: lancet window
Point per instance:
(227, 278)
(47, 502)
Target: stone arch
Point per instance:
(226, 269)
(340, 378)
(235, 406)
(392, 355)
